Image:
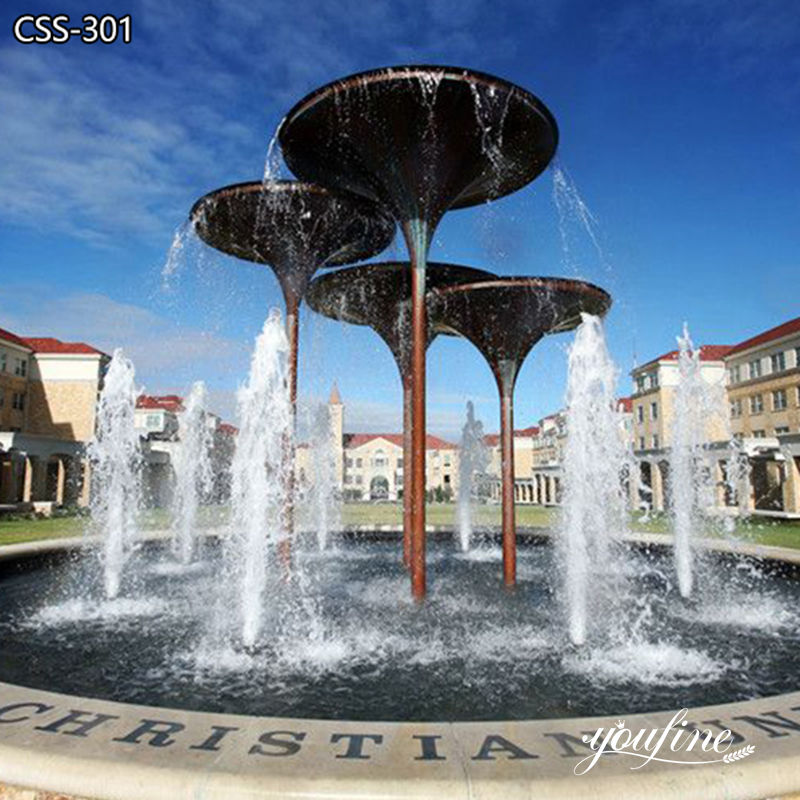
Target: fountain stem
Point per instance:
(405, 376)
(506, 378)
(417, 235)
(292, 299)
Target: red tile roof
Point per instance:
(708, 352)
(493, 439)
(13, 338)
(167, 402)
(47, 344)
(778, 332)
(625, 404)
(227, 429)
(533, 430)
(431, 442)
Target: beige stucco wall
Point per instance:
(769, 419)
(716, 428)
(62, 409)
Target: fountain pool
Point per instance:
(360, 649)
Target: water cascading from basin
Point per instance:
(691, 484)
(258, 485)
(473, 458)
(193, 471)
(115, 457)
(596, 463)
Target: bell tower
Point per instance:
(336, 411)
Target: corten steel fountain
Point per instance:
(504, 319)
(167, 696)
(379, 295)
(294, 228)
(420, 140)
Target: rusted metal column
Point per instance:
(505, 384)
(292, 331)
(407, 471)
(416, 235)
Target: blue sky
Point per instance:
(679, 127)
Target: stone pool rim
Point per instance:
(180, 753)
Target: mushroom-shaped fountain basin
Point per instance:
(292, 226)
(420, 139)
(504, 318)
(379, 295)
(295, 228)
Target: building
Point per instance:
(369, 466)
(48, 406)
(157, 420)
(653, 407)
(763, 382)
(374, 469)
(757, 420)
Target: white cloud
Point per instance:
(167, 356)
(110, 144)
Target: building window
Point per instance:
(735, 374)
(778, 361)
(756, 404)
(781, 430)
(348, 479)
(654, 380)
(18, 401)
(759, 434)
(359, 463)
(779, 400)
(640, 413)
(653, 410)
(2, 397)
(359, 479)
(379, 459)
(20, 367)
(641, 442)
(3, 362)
(655, 441)
(640, 383)
(736, 408)
(755, 368)
(400, 463)
(446, 480)
(447, 459)
(797, 357)
(348, 462)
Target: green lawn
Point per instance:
(440, 514)
(757, 530)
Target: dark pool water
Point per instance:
(356, 647)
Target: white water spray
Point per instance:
(325, 509)
(691, 483)
(115, 460)
(596, 462)
(258, 490)
(573, 212)
(193, 473)
(473, 458)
